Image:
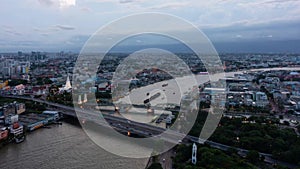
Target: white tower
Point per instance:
(79, 99)
(85, 98)
(194, 155)
(68, 84)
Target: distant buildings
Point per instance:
(10, 68)
(242, 93)
(35, 56)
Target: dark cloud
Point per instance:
(258, 46)
(280, 30)
(65, 27)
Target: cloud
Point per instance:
(52, 29)
(10, 30)
(13, 32)
(58, 3)
(171, 5)
(86, 9)
(117, 1)
(66, 3)
(45, 34)
(255, 24)
(279, 1)
(267, 36)
(65, 27)
(126, 1)
(120, 1)
(47, 2)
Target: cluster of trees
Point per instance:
(196, 129)
(37, 81)
(245, 108)
(15, 82)
(34, 107)
(155, 166)
(264, 136)
(283, 144)
(209, 158)
(105, 95)
(65, 98)
(43, 81)
(155, 163)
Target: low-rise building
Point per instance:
(261, 99)
(295, 100)
(20, 108)
(18, 90)
(9, 111)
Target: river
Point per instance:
(62, 146)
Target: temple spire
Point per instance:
(68, 83)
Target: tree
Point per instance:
(253, 156)
(209, 158)
(155, 166)
(15, 82)
(232, 151)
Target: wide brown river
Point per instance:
(62, 146)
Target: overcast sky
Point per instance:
(54, 25)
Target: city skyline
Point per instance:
(232, 26)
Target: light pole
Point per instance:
(164, 162)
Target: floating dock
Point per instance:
(34, 121)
